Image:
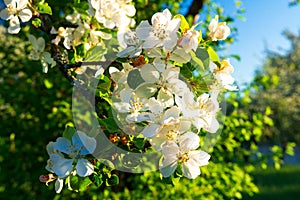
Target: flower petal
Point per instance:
(143, 30)
(150, 130)
(25, 15)
(149, 73)
(63, 145)
(84, 168)
(88, 142)
(14, 25)
(59, 183)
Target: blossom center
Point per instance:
(159, 31)
(183, 157)
(172, 134)
(11, 10)
(136, 105)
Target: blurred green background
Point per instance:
(260, 131)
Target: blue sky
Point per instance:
(266, 20)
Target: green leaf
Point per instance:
(80, 51)
(139, 142)
(237, 57)
(95, 54)
(187, 69)
(203, 55)
(44, 8)
(48, 84)
(113, 180)
(196, 61)
(96, 179)
(110, 124)
(213, 55)
(146, 90)
(184, 25)
(134, 79)
(84, 184)
(69, 132)
(36, 22)
(180, 56)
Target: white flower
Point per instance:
(80, 146)
(208, 107)
(201, 112)
(218, 30)
(184, 153)
(66, 33)
(113, 13)
(223, 74)
(38, 53)
(14, 10)
(163, 31)
(189, 40)
(170, 130)
(159, 116)
(129, 40)
(133, 105)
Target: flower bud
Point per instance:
(218, 30)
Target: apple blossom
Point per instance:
(163, 31)
(38, 53)
(223, 73)
(218, 30)
(189, 40)
(14, 10)
(80, 146)
(184, 153)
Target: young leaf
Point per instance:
(184, 25)
(203, 55)
(69, 132)
(44, 8)
(213, 55)
(84, 184)
(95, 54)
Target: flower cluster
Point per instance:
(14, 10)
(152, 96)
(67, 157)
(152, 92)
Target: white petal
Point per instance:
(62, 167)
(149, 73)
(4, 15)
(166, 97)
(168, 170)
(151, 42)
(88, 142)
(62, 144)
(25, 15)
(126, 95)
(150, 130)
(213, 125)
(41, 44)
(188, 141)
(21, 3)
(170, 150)
(59, 183)
(155, 106)
(84, 168)
(146, 90)
(143, 30)
(129, 10)
(190, 171)
(173, 112)
(14, 25)
(33, 41)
